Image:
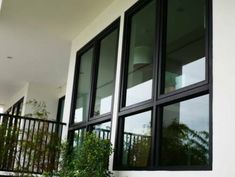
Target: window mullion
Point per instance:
(161, 45)
(75, 87)
(157, 136)
(94, 75)
(156, 119)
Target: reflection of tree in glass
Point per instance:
(136, 149)
(79, 136)
(184, 146)
(139, 154)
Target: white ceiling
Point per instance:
(38, 34)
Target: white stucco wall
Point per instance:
(46, 93)
(223, 88)
(41, 92)
(224, 85)
(61, 91)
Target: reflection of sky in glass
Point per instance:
(78, 115)
(193, 72)
(194, 113)
(103, 130)
(106, 126)
(139, 93)
(139, 123)
(105, 104)
(1, 109)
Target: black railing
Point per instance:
(104, 134)
(29, 145)
(135, 146)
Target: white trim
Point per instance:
(1, 5)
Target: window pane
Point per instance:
(140, 68)
(185, 133)
(84, 85)
(105, 81)
(185, 44)
(78, 137)
(103, 130)
(137, 140)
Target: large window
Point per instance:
(164, 120)
(94, 86)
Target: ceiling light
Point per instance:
(9, 57)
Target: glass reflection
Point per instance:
(137, 140)
(185, 133)
(78, 137)
(140, 69)
(185, 61)
(84, 85)
(103, 131)
(105, 81)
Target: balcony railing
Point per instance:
(29, 145)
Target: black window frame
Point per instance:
(15, 108)
(158, 99)
(91, 119)
(60, 109)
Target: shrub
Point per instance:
(90, 159)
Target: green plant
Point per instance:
(90, 159)
(32, 147)
(184, 146)
(8, 144)
(40, 147)
(139, 153)
(39, 109)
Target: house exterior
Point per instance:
(155, 77)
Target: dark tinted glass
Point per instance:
(103, 130)
(140, 68)
(185, 133)
(137, 140)
(60, 111)
(20, 108)
(78, 137)
(185, 60)
(105, 81)
(84, 85)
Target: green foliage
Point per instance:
(41, 149)
(184, 146)
(90, 159)
(33, 147)
(39, 109)
(8, 143)
(140, 151)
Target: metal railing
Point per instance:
(104, 134)
(135, 146)
(29, 145)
